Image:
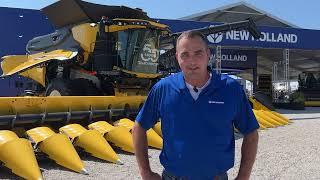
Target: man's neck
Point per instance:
(198, 82)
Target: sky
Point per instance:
(302, 13)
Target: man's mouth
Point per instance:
(193, 68)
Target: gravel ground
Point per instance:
(289, 152)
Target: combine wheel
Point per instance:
(76, 87)
(107, 88)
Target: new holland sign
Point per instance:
(272, 37)
(236, 59)
(245, 36)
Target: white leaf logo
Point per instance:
(215, 38)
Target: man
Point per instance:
(198, 111)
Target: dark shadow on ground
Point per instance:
(308, 110)
(6, 173)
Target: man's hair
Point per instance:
(192, 34)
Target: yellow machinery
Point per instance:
(267, 118)
(26, 114)
(17, 154)
(99, 50)
(57, 147)
(103, 60)
(91, 141)
(118, 136)
(157, 128)
(96, 50)
(154, 140)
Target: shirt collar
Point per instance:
(181, 83)
(190, 87)
(214, 83)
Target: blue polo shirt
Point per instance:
(198, 135)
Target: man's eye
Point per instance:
(184, 55)
(200, 53)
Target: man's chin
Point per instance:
(193, 76)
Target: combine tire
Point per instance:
(76, 87)
(107, 88)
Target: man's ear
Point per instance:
(176, 54)
(208, 52)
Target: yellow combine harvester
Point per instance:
(97, 50)
(101, 61)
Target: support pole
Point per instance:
(286, 58)
(218, 59)
(254, 83)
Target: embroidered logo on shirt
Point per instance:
(215, 102)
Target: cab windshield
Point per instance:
(138, 50)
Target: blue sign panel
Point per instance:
(237, 59)
(18, 26)
(272, 37)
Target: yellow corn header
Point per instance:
(17, 111)
(60, 126)
(266, 117)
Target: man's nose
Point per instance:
(193, 59)
(192, 62)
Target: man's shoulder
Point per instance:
(174, 77)
(228, 84)
(229, 81)
(170, 81)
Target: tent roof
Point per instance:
(300, 60)
(238, 12)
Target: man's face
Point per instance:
(193, 57)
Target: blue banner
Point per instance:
(236, 59)
(18, 27)
(272, 37)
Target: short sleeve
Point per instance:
(245, 120)
(149, 113)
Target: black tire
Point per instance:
(107, 88)
(76, 87)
